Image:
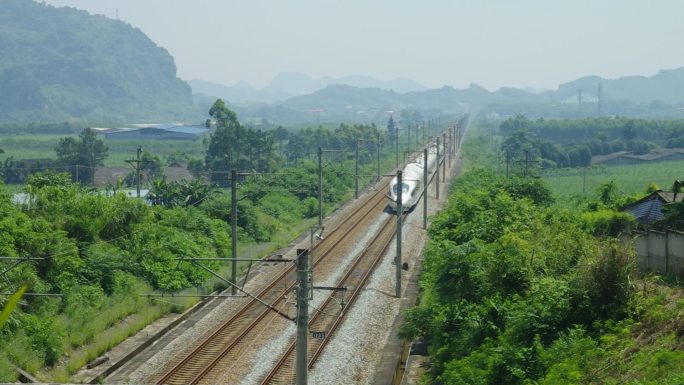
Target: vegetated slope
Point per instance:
(63, 64)
(519, 292)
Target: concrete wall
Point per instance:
(661, 252)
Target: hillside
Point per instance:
(62, 64)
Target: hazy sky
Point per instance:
(494, 43)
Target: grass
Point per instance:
(42, 146)
(106, 339)
(631, 179)
(569, 183)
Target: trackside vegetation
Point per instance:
(94, 253)
(516, 290)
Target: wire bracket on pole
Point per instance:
(215, 274)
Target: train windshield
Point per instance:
(404, 188)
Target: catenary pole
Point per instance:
(356, 171)
(425, 187)
(400, 212)
(437, 171)
(377, 159)
(302, 318)
(320, 186)
(233, 222)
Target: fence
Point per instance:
(661, 252)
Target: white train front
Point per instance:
(412, 181)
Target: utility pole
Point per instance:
(408, 137)
(451, 144)
(137, 165)
(444, 156)
(377, 159)
(400, 212)
(425, 187)
(527, 162)
(302, 316)
(356, 171)
(579, 99)
(437, 171)
(599, 99)
(320, 186)
(233, 222)
(396, 144)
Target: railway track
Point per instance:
(226, 342)
(329, 316)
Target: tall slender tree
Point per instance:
(224, 143)
(82, 156)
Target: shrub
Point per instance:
(605, 222)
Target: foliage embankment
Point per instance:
(100, 252)
(516, 291)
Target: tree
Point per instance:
(391, 130)
(82, 156)
(180, 194)
(224, 143)
(281, 135)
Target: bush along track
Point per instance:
(516, 290)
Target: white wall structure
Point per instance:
(660, 252)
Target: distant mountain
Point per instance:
(239, 93)
(666, 86)
(62, 64)
(657, 96)
(446, 98)
(400, 85)
(288, 84)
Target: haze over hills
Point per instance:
(665, 86)
(655, 96)
(288, 84)
(82, 68)
(62, 64)
(639, 96)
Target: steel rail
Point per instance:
(335, 237)
(382, 238)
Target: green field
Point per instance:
(567, 183)
(631, 179)
(42, 146)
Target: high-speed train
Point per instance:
(412, 181)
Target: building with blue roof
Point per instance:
(649, 209)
